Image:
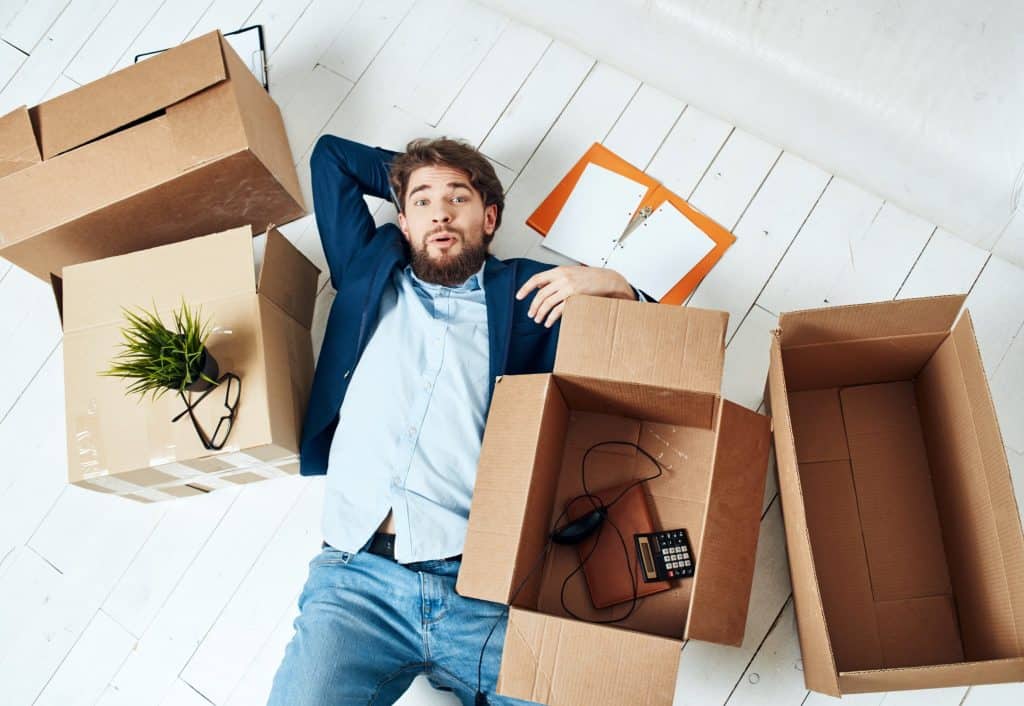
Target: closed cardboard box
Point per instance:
(124, 444)
(185, 143)
(624, 371)
(903, 533)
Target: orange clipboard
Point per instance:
(657, 194)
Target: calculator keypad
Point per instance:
(670, 552)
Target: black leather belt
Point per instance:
(384, 545)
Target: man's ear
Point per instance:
(490, 218)
(403, 224)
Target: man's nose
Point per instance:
(442, 215)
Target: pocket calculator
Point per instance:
(665, 555)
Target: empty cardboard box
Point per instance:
(630, 372)
(904, 537)
(126, 444)
(184, 143)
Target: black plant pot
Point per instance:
(208, 367)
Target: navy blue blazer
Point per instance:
(361, 258)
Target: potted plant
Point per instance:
(157, 359)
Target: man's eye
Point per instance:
(419, 202)
(459, 199)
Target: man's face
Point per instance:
(446, 225)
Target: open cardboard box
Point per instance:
(904, 537)
(625, 371)
(184, 143)
(124, 444)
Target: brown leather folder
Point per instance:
(606, 571)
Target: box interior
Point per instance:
(911, 562)
(578, 414)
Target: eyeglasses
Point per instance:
(232, 394)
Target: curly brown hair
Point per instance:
(445, 152)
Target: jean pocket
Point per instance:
(330, 555)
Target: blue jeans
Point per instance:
(367, 626)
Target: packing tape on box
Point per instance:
(89, 444)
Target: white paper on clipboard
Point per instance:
(594, 215)
(660, 251)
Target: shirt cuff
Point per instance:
(640, 296)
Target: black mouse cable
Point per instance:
(481, 698)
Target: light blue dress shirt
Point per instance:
(411, 425)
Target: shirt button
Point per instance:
(412, 431)
(427, 385)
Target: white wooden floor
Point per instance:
(104, 601)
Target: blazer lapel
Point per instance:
(499, 280)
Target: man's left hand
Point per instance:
(559, 283)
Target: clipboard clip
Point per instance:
(642, 215)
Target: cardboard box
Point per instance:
(184, 143)
(625, 371)
(124, 444)
(904, 537)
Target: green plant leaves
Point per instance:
(157, 359)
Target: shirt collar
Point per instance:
(473, 283)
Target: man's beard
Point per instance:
(450, 270)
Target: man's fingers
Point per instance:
(555, 315)
(552, 298)
(538, 280)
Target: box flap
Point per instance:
(288, 278)
(117, 100)
(18, 147)
(507, 519)
(199, 269)
(995, 671)
(732, 521)
(562, 662)
(860, 321)
(675, 347)
(819, 662)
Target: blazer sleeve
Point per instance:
(342, 173)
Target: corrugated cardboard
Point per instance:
(127, 445)
(181, 144)
(626, 372)
(902, 530)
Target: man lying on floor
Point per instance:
(423, 322)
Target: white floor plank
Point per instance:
(234, 640)
(11, 60)
(278, 17)
(254, 687)
(28, 314)
(536, 106)
(586, 119)
(746, 359)
(110, 40)
(225, 15)
(644, 125)
(775, 676)
(182, 693)
(764, 232)
(947, 265)
(90, 664)
(29, 24)
(311, 106)
(63, 39)
(493, 85)
(708, 672)
(202, 593)
(154, 572)
(358, 40)
(822, 250)
(35, 460)
(995, 695)
(733, 178)
(689, 149)
(1011, 243)
(166, 28)
(297, 53)
(996, 323)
